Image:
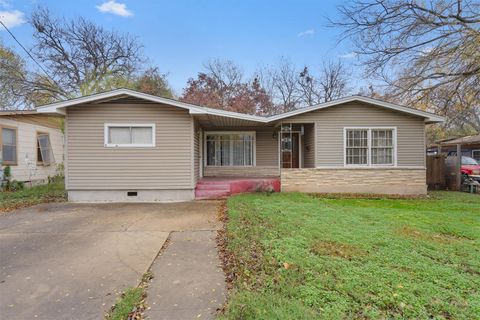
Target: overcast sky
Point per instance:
(180, 36)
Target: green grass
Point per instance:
(297, 256)
(129, 300)
(131, 303)
(51, 192)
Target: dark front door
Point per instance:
(290, 150)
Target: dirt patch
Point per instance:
(337, 249)
(410, 232)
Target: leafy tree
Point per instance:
(151, 81)
(222, 86)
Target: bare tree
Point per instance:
(333, 81)
(82, 57)
(291, 88)
(430, 44)
(227, 75)
(285, 85)
(309, 87)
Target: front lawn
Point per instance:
(52, 192)
(297, 256)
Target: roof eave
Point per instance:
(59, 107)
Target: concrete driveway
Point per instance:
(70, 261)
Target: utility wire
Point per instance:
(28, 53)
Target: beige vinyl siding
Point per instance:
(196, 152)
(92, 166)
(266, 148)
(309, 146)
(330, 123)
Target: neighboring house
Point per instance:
(124, 145)
(470, 146)
(31, 144)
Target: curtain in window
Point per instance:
(9, 145)
(357, 147)
(382, 146)
(229, 149)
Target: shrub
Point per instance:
(7, 184)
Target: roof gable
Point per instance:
(429, 117)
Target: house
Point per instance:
(125, 145)
(470, 146)
(31, 144)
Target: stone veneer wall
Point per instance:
(369, 180)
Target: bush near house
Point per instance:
(298, 256)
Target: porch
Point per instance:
(254, 151)
(250, 159)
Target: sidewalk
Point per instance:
(188, 282)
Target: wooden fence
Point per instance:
(442, 174)
(436, 175)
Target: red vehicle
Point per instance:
(470, 168)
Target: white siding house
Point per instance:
(31, 144)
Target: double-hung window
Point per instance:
(8, 140)
(370, 146)
(230, 149)
(129, 135)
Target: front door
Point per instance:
(290, 149)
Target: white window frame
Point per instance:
(369, 147)
(254, 147)
(129, 145)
